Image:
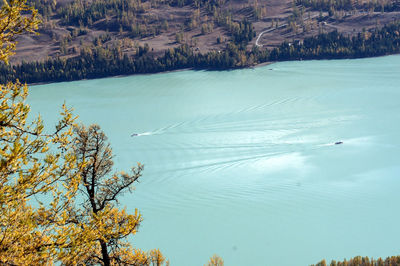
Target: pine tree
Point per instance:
(41, 175)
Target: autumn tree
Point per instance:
(215, 260)
(27, 166)
(29, 169)
(99, 190)
(13, 23)
(42, 177)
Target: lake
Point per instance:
(243, 163)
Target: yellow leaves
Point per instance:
(112, 223)
(138, 257)
(157, 257)
(21, 242)
(127, 256)
(47, 167)
(216, 261)
(30, 236)
(106, 225)
(44, 149)
(12, 23)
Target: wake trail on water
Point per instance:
(145, 134)
(237, 120)
(157, 131)
(360, 141)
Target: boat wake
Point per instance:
(142, 134)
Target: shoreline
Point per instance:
(163, 72)
(116, 76)
(210, 69)
(102, 62)
(156, 73)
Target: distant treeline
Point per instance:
(364, 261)
(100, 62)
(97, 62)
(334, 45)
(367, 5)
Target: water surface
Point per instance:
(242, 163)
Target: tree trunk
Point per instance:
(104, 252)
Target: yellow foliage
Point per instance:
(42, 221)
(157, 257)
(27, 169)
(106, 226)
(216, 261)
(12, 23)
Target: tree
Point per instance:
(27, 166)
(363, 261)
(40, 179)
(179, 37)
(13, 23)
(215, 261)
(100, 189)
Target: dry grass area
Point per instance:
(48, 42)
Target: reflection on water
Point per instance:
(244, 163)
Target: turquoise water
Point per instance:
(242, 163)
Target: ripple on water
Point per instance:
(247, 158)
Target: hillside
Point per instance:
(71, 25)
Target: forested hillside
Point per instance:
(100, 62)
(89, 39)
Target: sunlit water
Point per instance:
(243, 163)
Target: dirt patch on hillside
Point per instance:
(272, 28)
